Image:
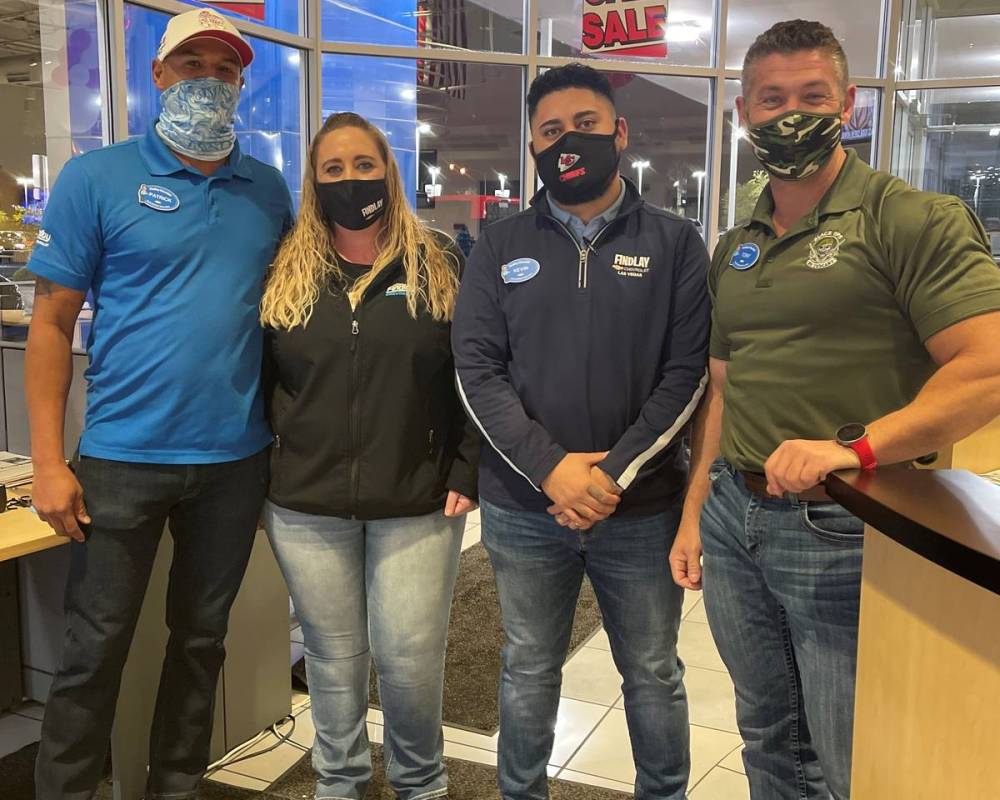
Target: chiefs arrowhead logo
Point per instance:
(208, 19)
(567, 160)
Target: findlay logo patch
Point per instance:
(371, 208)
(631, 266)
(824, 250)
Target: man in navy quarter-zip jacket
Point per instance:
(581, 342)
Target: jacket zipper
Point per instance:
(355, 422)
(581, 275)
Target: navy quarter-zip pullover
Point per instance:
(600, 345)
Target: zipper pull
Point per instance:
(277, 442)
(354, 335)
(354, 327)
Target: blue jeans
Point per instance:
(782, 591)
(212, 510)
(539, 570)
(377, 589)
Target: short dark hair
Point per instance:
(794, 36)
(572, 76)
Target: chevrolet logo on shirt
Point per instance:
(631, 266)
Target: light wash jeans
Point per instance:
(385, 585)
(782, 593)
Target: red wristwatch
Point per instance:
(855, 436)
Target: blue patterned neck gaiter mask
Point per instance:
(197, 118)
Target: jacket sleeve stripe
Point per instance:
(668, 435)
(486, 436)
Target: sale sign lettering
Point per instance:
(248, 8)
(626, 27)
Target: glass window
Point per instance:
(668, 139)
(463, 119)
(949, 39)
(269, 119)
(948, 140)
(490, 25)
(51, 104)
(674, 32)
(285, 15)
(744, 179)
(857, 23)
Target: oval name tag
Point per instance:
(519, 270)
(158, 198)
(746, 256)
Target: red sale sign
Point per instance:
(248, 8)
(626, 27)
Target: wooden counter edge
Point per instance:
(942, 546)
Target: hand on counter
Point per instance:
(58, 499)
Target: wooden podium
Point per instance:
(927, 709)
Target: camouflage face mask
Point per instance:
(796, 144)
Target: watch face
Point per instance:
(851, 433)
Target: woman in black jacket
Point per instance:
(374, 462)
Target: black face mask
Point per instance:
(579, 167)
(352, 204)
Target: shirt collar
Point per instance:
(569, 218)
(161, 160)
(846, 193)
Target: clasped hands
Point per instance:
(582, 494)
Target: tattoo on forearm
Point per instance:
(43, 285)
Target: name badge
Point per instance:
(746, 256)
(158, 198)
(519, 270)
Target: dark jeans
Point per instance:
(212, 510)
(782, 592)
(539, 568)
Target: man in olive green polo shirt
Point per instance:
(855, 324)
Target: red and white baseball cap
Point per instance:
(203, 23)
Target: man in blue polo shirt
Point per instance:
(172, 233)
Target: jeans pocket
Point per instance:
(832, 523)
(716, 469)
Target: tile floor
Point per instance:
(591, 744)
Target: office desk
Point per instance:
(21, 534)
(927, 710)
(255, 685)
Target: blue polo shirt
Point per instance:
(176, 263)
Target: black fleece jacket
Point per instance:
(363, 404)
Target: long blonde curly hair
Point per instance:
(306, 262)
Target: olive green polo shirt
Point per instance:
(827, 325)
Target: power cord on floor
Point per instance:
(283, 738)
